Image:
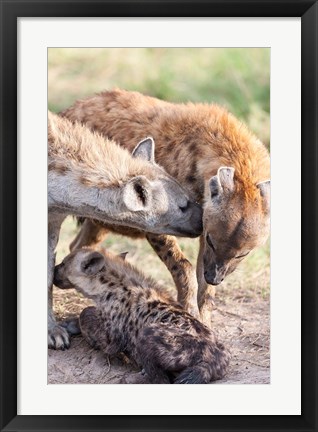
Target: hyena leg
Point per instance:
(96, 332)
(58, 337)
(206, 292)
(153, 354)
(180, 268)
(90, 234)
(89, 325)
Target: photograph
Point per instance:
(158, 208)
(159, 215)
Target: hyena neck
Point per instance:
(67, 195)
(122, 272)
(120, 277)
(96, 159)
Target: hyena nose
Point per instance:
(212, 277)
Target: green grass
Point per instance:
(238, 78)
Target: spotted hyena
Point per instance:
(90, 176)
(215, 157)
(132, 315)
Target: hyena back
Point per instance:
(214, 156)
(90, 176)
(135, 317)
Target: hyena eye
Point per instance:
(209, 242)
(185, 207)
(242, 256)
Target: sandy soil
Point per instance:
(241, 321)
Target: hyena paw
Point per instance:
(72, 326)
(58, 338)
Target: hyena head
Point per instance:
(79, 270)
(162, 202)
(234, 223)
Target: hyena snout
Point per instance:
(59, 278)
(193, 227)
(215, 274)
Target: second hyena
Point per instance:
(90, 176)
(134, 316)
(213, 155)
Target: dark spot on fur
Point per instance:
(190, 179)
(109, 296)
(193, 168)
(102, 279)
(111, 284)
(192, 148)
(174, 267)
(165, 317)
(57, 167)
(169, 253)
(153, 304)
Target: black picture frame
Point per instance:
(11, 10)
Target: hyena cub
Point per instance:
(133, 315)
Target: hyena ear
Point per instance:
(123, 255)
(145, 150)
(136, 194)
(222, 182)
(265, 191)
(93, 264)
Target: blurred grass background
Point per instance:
(237, 78)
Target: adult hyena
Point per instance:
(132, 315)
(89, 176)
(211, 154)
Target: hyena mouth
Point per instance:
(61, 283)
(191, 234)
(213, 279)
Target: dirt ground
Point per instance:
(241, 322)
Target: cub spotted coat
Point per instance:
(133, 316)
